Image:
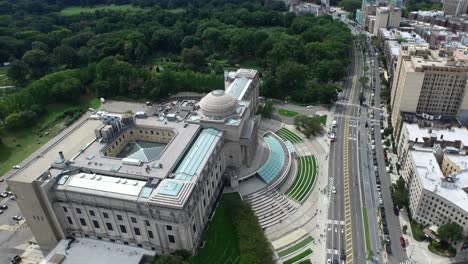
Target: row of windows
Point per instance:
(123, 229)
(119, 217)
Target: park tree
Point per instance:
(65, 55)
(309, 126)
(18, 71)
(291, 76)
(450, 232)
(37, 62)
(193, 57)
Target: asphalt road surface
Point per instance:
(352, 177)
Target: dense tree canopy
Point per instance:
(59, 57)
(450, 232)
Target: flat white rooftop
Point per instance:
(107, 184)
(428, 171)
(453, 134)
(85, 250)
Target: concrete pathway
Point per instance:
(311, 217)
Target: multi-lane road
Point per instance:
(354, 201)
(341, 229)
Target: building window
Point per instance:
(137, 231)
(139, 245)
(171, 238)
(125, 243)
(91, 212)
(168, 227)
(69, 220)
(123, 229)
(150, 234)
(106, 215)
(83, 222)
(109, 226)
(133, 220)
(65, 209)
(119, 217)
(96, 224)
(78, 210)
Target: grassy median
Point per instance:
(366, 233)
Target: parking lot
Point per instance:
(14, 235)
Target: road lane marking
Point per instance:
(347, 205)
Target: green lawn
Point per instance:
(17, 145)
(296, 247)
(304, 180)
(296, 258)
(366, 232)
(323, 119)
(288, 113)
(76, 10)
(221, 240)
(287, 134)
(417, 231)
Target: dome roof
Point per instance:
(218, 103)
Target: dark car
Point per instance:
(388, 248)
(385, 230)
(16, 259)
(396, 210)
(4, 207)
(343, 254)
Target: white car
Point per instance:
(334, 189)
(387, 169)
(329, 261)
(17, 167)
(17, 218)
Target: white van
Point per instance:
(334, 123)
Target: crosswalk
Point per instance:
(408, 261)
(335, 222)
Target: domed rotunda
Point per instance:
(218, 103)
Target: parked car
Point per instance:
(4, 194)
(17, 218)
(388, 248)
(13, 197)
(402, 242)
(1, 211)
(16, 259)
(396, 210)
(4, 207)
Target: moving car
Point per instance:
(17, 218)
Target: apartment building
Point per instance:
(386, 17)
(428, 82)
(435, 199)
(454, 7)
